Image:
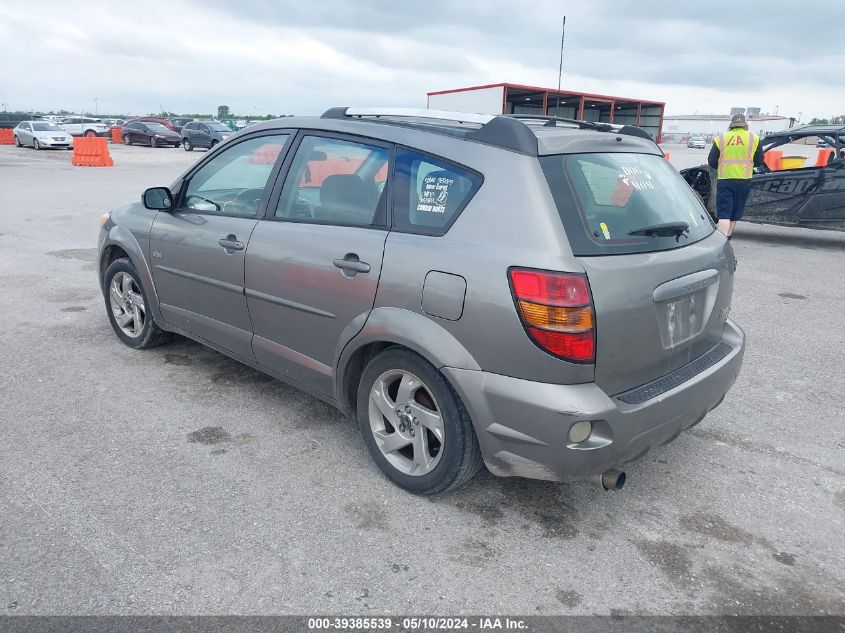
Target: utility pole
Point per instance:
(560, 67)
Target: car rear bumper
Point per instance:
(523, 426)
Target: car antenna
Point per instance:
(560, 67)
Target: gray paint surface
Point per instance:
(180, 481)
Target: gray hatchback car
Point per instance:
(542, 296)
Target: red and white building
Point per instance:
(506, 98)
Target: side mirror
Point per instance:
(158, 199)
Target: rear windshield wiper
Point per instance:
(667, 229)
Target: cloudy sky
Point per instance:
(301, 57)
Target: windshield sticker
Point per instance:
(604, 231)
(435, 193)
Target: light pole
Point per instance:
(5, 105)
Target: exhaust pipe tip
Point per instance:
(610, 480)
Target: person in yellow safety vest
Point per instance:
(734, 156)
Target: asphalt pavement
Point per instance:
(176, 481)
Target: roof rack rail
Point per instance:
(551, 121)
(408, 113)
(499, 131)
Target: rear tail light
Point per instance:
(556, 312)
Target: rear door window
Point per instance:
(336, 181)
(624, 203)
(430, 193)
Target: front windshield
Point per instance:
(218, 127)
(46, 127)
(156, 127)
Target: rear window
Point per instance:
(624, 203)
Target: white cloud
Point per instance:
(286, 57)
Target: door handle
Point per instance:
(230, 242)
(352, 264)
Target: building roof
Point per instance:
(722, 117)
(552, 90)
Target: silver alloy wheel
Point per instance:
(127, 304)
(36, 144)
(406, 422)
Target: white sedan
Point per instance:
(42, 134)
(697, 142)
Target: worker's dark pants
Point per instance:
(731, 196)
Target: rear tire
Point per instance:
(126, 141)
(90, 134)
(214, 144)
(404, 404)
(127, 307)
(187, 145)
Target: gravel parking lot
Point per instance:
(175, 480)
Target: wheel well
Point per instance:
(110, 254)
(348, 396)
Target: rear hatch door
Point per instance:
(661, 277)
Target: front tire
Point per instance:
(187, 145)
(127, 141)
(126, 305)
(415, 425)
(153, 142)
(35, 144)
(18, 141)
(213, 144)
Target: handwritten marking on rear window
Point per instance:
(434, 194)
(636, 177)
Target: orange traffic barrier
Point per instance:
(116, 135)
(825, 156)
(266, 154)
(774, 159)
(7, 137)
(91, 152)
(666, 155)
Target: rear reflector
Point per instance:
(556, 312)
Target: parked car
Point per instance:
(84, 126)
(149, 133)
(812, 197)
(697, 142)
(821, 143)
(178, 122)
(551, 300)
(9, 120)
(151, 119)
(41, 135)
(204, 134)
